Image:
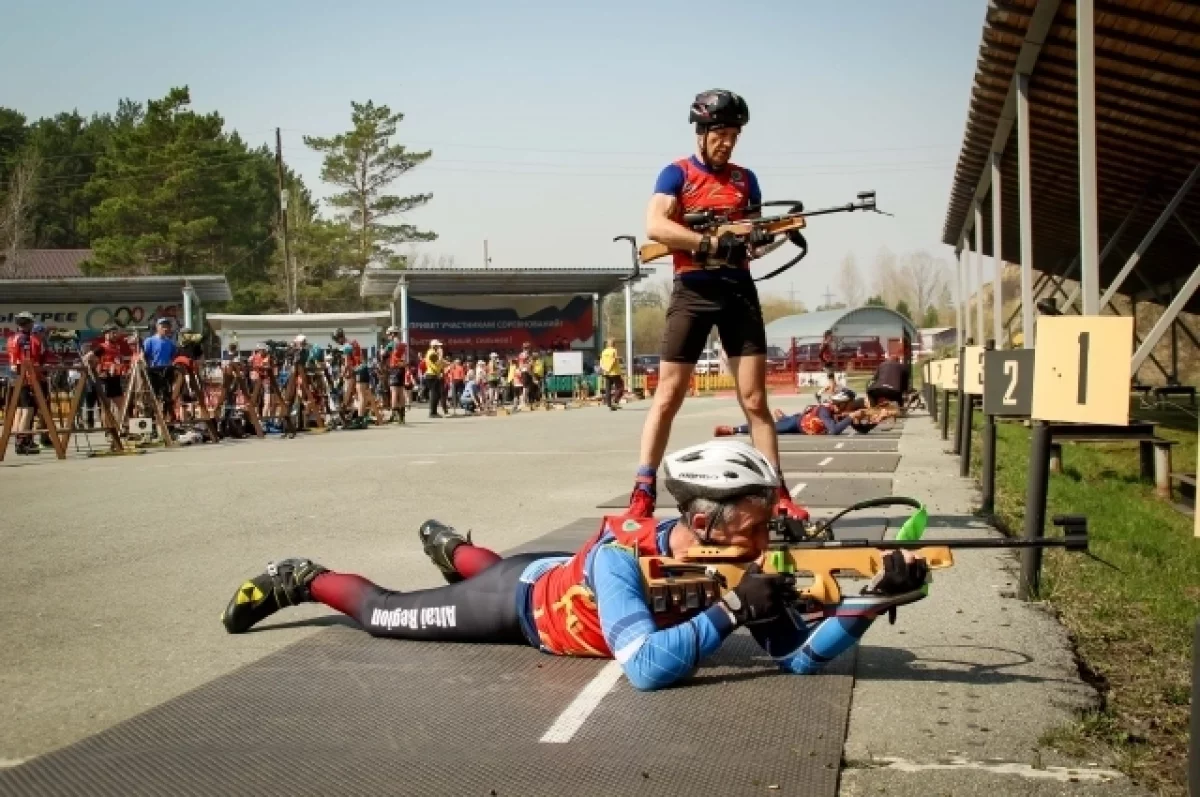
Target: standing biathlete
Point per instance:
(396, 356)
(713, 287)
(593, 602)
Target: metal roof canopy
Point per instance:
(1147, 96)
(497, 282)
(78, 290)
(859, 321)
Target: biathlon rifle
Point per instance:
(812, 561)
(789, 223)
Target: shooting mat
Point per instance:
(341, 713)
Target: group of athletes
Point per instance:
(592, 601)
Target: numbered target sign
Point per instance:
(1081, 372)
(973, 370)
(1008, 382)
(950, 373)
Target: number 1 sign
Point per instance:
(1081, 374)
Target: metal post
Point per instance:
(966, 418)
(629, 334)
(1167, 318)
(1089, 225)
(945, 414)
(979, 268)
(1025, 209)
(1174, 354)
(404, 311)
(958, 394)
(1035, 508)
(997, 254)
(931, 397)
(987, 469)
(959, 301)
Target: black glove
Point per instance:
(760, 238)
(731, 249)
(759, 597)
(898, 576)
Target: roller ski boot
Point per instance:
(285, 583)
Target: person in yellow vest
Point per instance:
(435, 365)
(513, 382)
(610, 371)
(539, 376)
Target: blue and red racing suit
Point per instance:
(728, 191)
(594, 604)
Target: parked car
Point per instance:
(777, 360)
(646, 364)
(709, 363)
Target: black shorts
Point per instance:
(886, 393)
(362, 375)
(111, 385)
(728, 302)
(396, 377)
(526, 380)
(25, 398)
(830, 369)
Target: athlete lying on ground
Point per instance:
(829, 417)
(592, 602)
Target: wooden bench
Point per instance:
(1154, 451)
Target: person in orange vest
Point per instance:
(23, 346)
(396, 355)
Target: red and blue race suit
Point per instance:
(593, 604)
(727, 192)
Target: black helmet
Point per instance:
(338, 333)
(717, 108)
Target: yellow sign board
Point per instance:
(1081, 369)
(973, 370)
(950, 373)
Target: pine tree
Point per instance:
(363, 163)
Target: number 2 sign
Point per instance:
(1081, 374)
(1008, 382)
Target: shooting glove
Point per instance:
(759, 597)
(730, 249)
(898, 576)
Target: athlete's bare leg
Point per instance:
(750, 375)
(673, 380)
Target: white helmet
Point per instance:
(719, 470)
(300, 339)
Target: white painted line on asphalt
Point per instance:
(798, 489)
(839, 446)
(5, 763)
(1060, 774)
(574, 715)
(422, 462)
(824, 462)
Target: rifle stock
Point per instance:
(653, 251)
(705, 573)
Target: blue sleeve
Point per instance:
(651, 658)
(803, 648)
(831, 426)
(146, 348)
(670, 181)
(755, 191)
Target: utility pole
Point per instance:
(828, 297)
(487, 261)
(288, 276)
(792, 296)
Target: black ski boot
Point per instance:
(439, 541)
(285, 583)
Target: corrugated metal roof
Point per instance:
(207, 287)
(880, 321)
(1147, 56)
(44, 264)
(285, 319)
(498, 282)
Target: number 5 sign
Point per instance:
(1008, 382)
(1081, 374)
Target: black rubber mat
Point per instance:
(839, 443)
(342, 713)
(837, 462)
(832, 491)
(823, 491)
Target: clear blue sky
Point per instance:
(549, 121)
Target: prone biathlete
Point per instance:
(834, 416)
(592, 602)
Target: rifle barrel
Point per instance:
(1072, 542)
